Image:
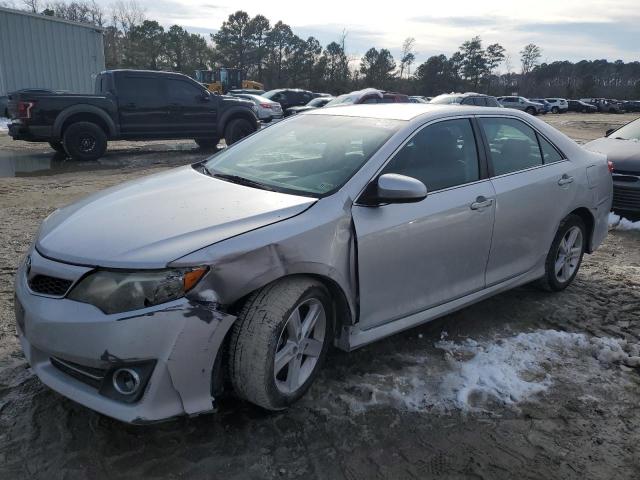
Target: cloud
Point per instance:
(463, 21)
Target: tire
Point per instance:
(265, 327)
(207, 143)
(530, 110)
(552, 281)
(237, 129)
(58, 147)
(555, 110)
(84, 141)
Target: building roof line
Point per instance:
(53, 19)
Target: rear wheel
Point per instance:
(84, 141)
(279, 342)
(207, 143)
(58, 147)
(565, 255)
(555, 110)
(237, 129)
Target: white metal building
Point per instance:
(37, 51)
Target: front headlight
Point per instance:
(116, 291)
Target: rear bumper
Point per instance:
(175, 346)
(30, 133)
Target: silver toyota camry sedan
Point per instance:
(339, 227)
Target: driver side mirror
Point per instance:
(610, 131)
(396, 188)
(206, 96)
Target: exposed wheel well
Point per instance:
(589, 223)
(85, 117)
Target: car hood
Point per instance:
(149, 222)
(625, 154)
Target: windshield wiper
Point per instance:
(241, 180)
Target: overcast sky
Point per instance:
(564, 29)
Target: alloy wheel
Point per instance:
(299, 346)
(569, 254)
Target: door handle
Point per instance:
(565, 180)
(481, 202)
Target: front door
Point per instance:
(192, 111)
(415, 256)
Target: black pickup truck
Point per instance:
(129, 105)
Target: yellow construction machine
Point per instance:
(221, 80)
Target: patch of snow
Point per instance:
(616, 222)
(4, 124)
(483, 375)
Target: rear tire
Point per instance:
(84, 141)
(237, 129)
(58, 147)
(276, 347)
(207, 143)
(555, 110)
(565, 255)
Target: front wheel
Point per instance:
(279, 342)
(555, 110)
(530, 110)
(237, 130)
(565, 255)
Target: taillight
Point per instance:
(265, 105)
(24, 109)
(610, 165)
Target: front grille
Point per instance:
(626, 198)
(47, 285)
(89, 375)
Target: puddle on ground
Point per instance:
(31, 164)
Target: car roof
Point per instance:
(405, 111)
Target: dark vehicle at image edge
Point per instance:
(129, 105)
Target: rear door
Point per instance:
(192, 111)
(414, 256)
(534, 187)
(143, 108)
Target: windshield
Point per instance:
(446, 99)
(631, 131)
(309, 155)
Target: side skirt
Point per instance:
(354, 337)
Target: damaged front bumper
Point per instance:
(75, 349)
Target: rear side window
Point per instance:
(140, 90)
(441, 155)
(513, 144)
(549, 153)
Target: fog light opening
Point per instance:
(126, 381)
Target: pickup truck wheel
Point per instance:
(207, 143)
(84, 141)
(238, 129)
(58, 147)
(279, 342)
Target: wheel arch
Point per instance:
(84, 113)
(589, 223)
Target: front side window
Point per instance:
(513, 144)
(441, 155)
(183, 91)
(309, 155)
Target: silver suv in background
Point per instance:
(558, 105)
(521, 103)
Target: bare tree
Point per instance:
(32, 5)
(408, 55)
(127, 14)
(530, 57)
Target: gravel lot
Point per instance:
(524, 385)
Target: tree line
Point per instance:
(273, 54)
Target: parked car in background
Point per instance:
(289, 97)
(368, 95)
(545, 104)
(130, 105)
(267, 110)
(605, 105)
(469, 98)
(521, 103)
(417, 99)
(558, 105)
(316, 95)
(622, 148)
(317, 102)
(580, 106)
(631, 105)
(247, 91)
(146, 301)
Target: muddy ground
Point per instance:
(524, 385)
